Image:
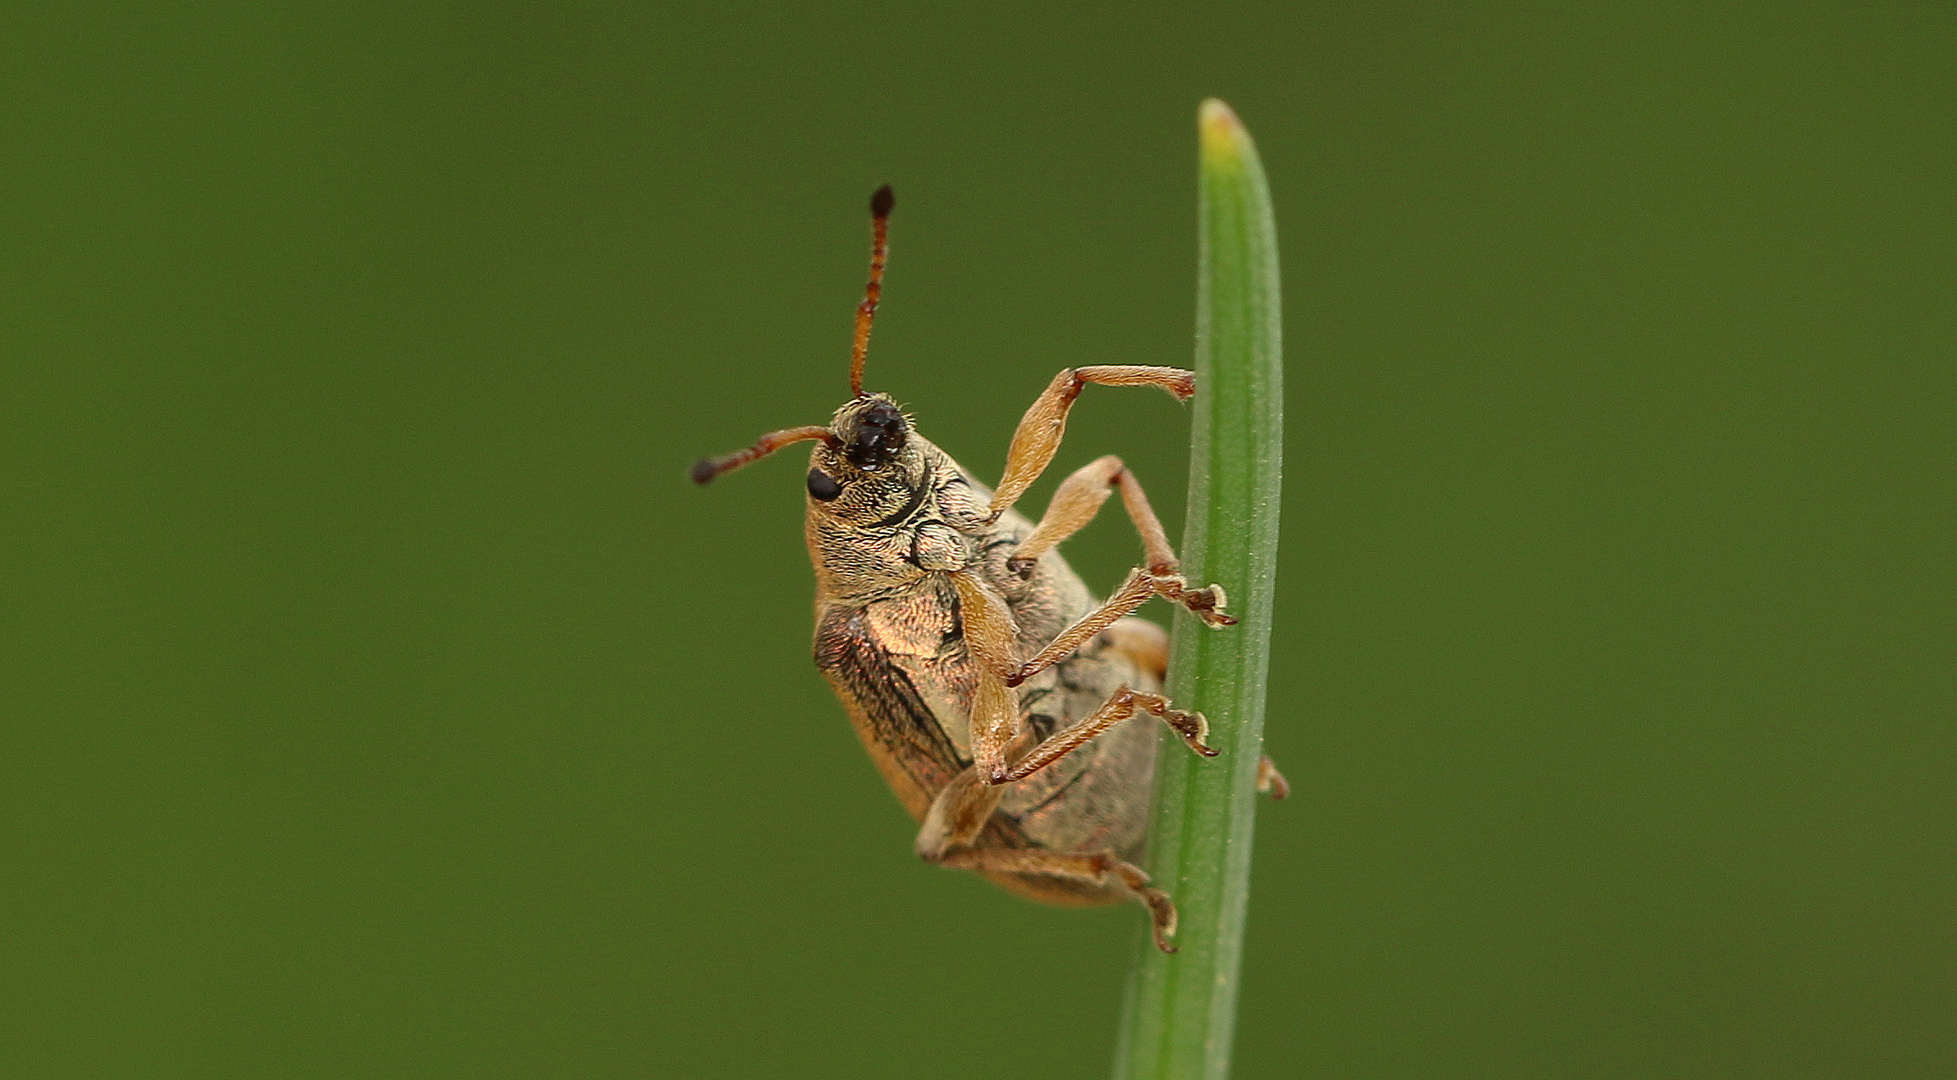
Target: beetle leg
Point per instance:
(1040, 430)
(989, 633)
(1076, 501)
(1270, 780)
(1094, 868)
(956, 815)
(1133, 592)
(1121, 705)
(1147, 645)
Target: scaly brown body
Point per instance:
(896, 655)
(986, 682)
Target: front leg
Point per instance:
(1045, 422)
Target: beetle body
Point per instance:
(889, 638)
(989, 686)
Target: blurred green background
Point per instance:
(380, 699)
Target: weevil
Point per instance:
(987, 683)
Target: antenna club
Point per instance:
(882, 202)
(703, 471)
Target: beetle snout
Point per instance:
(873, 433)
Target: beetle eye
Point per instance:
(822, 486)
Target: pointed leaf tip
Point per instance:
(1223, 134)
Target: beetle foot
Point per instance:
(1194, 728)
(1207, 604)
(1271, 781)
(1162, 918)
(1161, 910)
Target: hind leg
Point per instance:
(1095, 868)
(951, 836)
(1148, 646)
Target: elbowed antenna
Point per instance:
(866, 312)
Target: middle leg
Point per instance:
(1080, 496)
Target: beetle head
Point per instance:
(870, 467)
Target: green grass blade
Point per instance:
(1181, 1010)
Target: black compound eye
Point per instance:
(822, 486)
